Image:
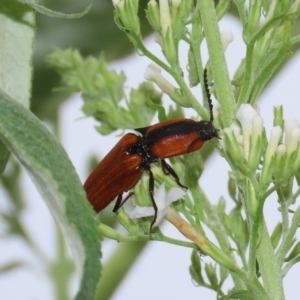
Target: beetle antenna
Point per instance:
(208, 95)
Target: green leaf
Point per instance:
(211, 274)
(103, 90)
(4, 155)
(245, 295)
(17, 34)
(195, 268)
(276, 235)
(294, 252)
(288, 266)
(55, 178)
(50, 13)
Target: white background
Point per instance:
(161, 272)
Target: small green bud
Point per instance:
(279, 162)
(276, 235)
(232, 186)
(296, 164)
(126, 13)
(238, 76)
(270, 155)
(231, 146)
(255, 143)
(221, 205)
(180, 11)
(295, 252)
(251, 200)
(169, 48)
(152, 13)
(192, 68)
(253, 18)
(211, 274)
(195, 268)
(236, 220)
(226, 222)
(278, 116)
(109, 232)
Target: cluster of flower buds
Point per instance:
(247, 146)
(126, 16)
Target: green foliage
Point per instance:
(103, 90)
(48, 165)
(43, 158)
(242, 248)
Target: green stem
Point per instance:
(114, 235)
(284, 212)
(254, 236)
(213, 222)
(217, 61)
(268, 265)
(176, 74)
(115, 270)
(288, 239)
(246, 87)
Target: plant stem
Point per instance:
(217, 61)
(269, 267)
(115, 270)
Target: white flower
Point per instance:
(163, 202)
(273, 142)
(115, 2)
(153, 74)
(165, 18)
(292, 134)
(252, 124)
(226, 37)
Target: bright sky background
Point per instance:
(161, 272)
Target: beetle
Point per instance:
(117, 172)
(124, 165)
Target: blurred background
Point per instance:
(160, 270)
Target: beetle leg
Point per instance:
(169, 170)
(151, 190)
(164, 168)
(120, 202)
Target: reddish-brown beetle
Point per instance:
(123, 166)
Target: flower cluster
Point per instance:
(247, 145)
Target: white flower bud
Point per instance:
(165, 19)
(153, 74)
(292, 134)
(245, 115)
(276, 133)
(226, 37)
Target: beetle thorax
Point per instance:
(207, 130)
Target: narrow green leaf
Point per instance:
(55, 178)
(288, 266)
(50, 13)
